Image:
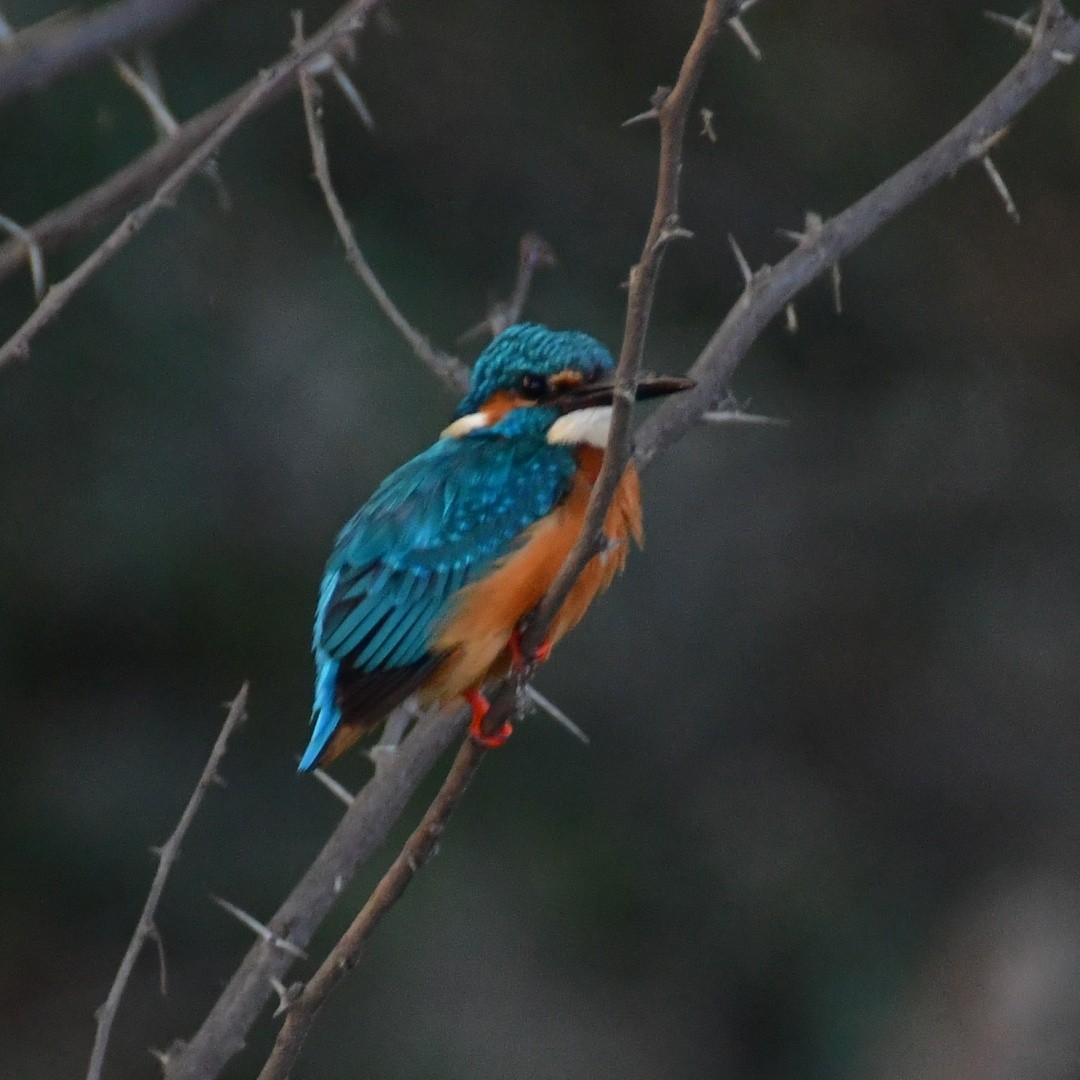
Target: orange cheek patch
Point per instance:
(500, 403)
(566, 380)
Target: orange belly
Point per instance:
(478, 630)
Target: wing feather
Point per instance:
(437, 524)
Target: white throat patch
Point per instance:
(463, 425)
(588, 426)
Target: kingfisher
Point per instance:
(428, 583)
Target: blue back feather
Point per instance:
(441, 521)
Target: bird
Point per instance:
(428, 583)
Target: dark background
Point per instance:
(827, 824)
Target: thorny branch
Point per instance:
(1057, 35)
(146, 929)
(39, 55)
(1054, 42)
(347, 21)
(672, 114)
(449, 369)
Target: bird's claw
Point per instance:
(480, 707)
(517, 654)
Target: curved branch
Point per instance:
(346, 953)
(36, 58)
(1057, 37)
(448, 369)
(347, 21)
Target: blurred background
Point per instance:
(827, 825)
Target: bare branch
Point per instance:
(347, 21)
(451, 371)
(40, 55)
(534, 253)
(361, 830)
(421, 844)
(167, 857)
(840, 235)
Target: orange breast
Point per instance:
(478, 630)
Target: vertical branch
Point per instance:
(145, 929)
(672, 113)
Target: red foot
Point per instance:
(517, 657)
(480, 707)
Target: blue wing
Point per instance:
(432, 527)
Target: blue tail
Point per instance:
(325, 715)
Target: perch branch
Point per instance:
(347, 21)
(449, 369)
(383, 798)
(145, 928)
(672, 112)
(39, 55)
(361, 830)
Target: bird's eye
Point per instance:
(533, 387)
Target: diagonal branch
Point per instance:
(449, 369)
(773, 287)
(672, 113)
(380, 802)
(166, 858)
(347, 21)
(363, 827)
(38, 56)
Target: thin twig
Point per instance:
(451, 371)
(672, 112)
(347, 21)
(534, 253)
(420, 845)
(166, 858)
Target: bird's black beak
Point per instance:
(591, 395)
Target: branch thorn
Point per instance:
(707, 129)
(1021, 27)
(740, 258)
(555, 713)
(287, 995)
(33, 254)
(739, 28)
(339, 791)
(660, 95)
(1000, 187)
(259, 928)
